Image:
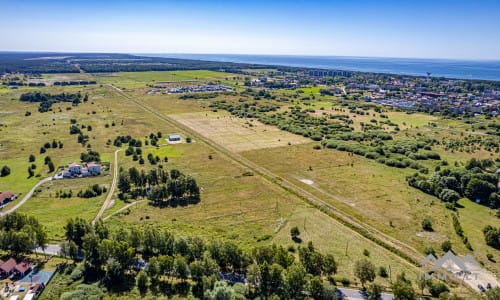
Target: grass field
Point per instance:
(131, 80)
(376, 194)
(53, 212)
(236, 205)
(237, 134)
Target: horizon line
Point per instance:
(250, 54)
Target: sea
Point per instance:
(449, 68)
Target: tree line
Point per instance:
(475, 181)
(193, 266)
(47, 100)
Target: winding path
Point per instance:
(111, 189)
(26, 197)
(122, 209)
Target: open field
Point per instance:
(131, 80)
(376, 194)
(237, 134)
(53, 212)
(250, 208)
(328, 236)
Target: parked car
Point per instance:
(488, 286)
(481, 288)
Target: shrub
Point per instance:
(427, 225)
(5, 171)
(446, 246)
(382, 272)
(437, 288)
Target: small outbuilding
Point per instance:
(174, 138)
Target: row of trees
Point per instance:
(271, 271)
(46, 100)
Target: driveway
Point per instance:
(359, 295)
(50, 250)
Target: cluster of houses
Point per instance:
(329, 73)
(288, 82)
(11, 267)
(6, 197)
(199, 89)
(411, 95)
(78, 170)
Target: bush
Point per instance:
(446, 246)
(430, 250)
(382, 272)
(427, 225)
(5, 171)
(437, 288)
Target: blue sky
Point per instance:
(423, 28)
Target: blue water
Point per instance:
(450, 68)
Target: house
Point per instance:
(232, 278)
(67, 174)
(94, 168)
(7, 267)
(22, 268)
(174, 138)
(6, 197)
(75, 168)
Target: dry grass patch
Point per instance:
(237, 134)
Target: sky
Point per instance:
(455, 29)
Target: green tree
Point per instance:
(143, 282)
(427, 225)
(493, 294)
(32, 158)
(295, 280)
(402, 289)
(51, 166)
(365, 271)
(294, 232)
(84, 292)
(446, 246)
(124, 183)
(315, 287)
(375, 291)
(197, 271)
(5, 171)
(221, 291)
(181, 268)
(479, 189)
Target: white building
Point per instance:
(75, 168)
(94, 168)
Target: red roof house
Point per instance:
(23, 267)
(7, 267)
(6, 197)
